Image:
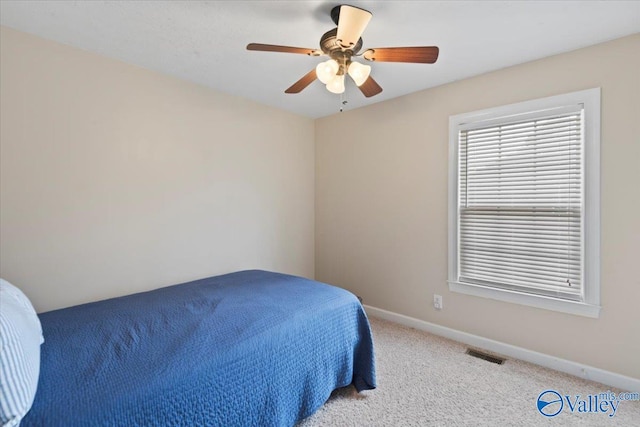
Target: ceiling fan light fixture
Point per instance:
(336, 84)
(359, 72)
(343, 43)
(327, 70)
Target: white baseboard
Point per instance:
(612, 379)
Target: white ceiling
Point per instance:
(204, 41)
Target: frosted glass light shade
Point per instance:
(336, 85)
(325, 71)
(353, 21)
(359, 73)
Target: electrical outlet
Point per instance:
(437, 301)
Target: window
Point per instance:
(524, 203)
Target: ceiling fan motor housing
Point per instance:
(329, 45)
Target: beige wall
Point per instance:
(115, 179)
(381, 206)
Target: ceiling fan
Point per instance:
(343, 43)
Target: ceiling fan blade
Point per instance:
(418, 54)
(302, 83)
(285, 49)
(370, 87)
(351, 23)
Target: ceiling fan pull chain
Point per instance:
(343, 101)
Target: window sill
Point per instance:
(539, 301)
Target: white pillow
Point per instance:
(20, 339)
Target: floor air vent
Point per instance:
(485, 356)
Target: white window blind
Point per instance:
(520, 204)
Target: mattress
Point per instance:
(252, 348)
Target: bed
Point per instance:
(252, 348)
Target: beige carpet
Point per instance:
(426, 380)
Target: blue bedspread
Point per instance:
(252, 348)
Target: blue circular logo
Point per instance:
(550, 403)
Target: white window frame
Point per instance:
(590, 99)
